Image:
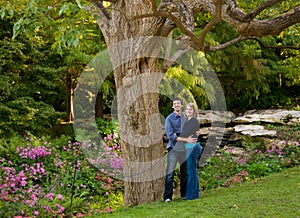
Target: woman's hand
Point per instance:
(189, 139)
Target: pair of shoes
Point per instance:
(168, 200)
(184, 198)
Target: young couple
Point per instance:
(181, 130)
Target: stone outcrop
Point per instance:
(254, 130)
(225, 130)
(280, 116)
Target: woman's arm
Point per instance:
(189, 139)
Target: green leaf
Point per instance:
(2, 13)
(78, 3)
(16, 28)
(63, 10)
(11, 12)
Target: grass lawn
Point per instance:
(276, 195)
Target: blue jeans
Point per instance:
(193, 152)
(173, 158)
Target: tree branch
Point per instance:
(225, 45)
(241, 16)
(260, 42)
(180, 13)
(153, 5)
(272, 26)
(241, 38)
(260, 8)
(211, 24)
(166, 10)
(166, 61)
(100, 6)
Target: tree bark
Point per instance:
(141, 133)
(99, 105)
(140, 130)
(69, 85)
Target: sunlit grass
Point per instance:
(276, 195)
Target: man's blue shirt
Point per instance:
(173, 128)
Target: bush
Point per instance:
(107, 127)
(225, 169)
(53, 178)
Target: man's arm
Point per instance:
(170, 131)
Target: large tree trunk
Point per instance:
(140, 127)
(140, 131)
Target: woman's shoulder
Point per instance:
(194, 119)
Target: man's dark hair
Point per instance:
(177, 99)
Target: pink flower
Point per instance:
(61, 208)
(50, 196)
(60, 197)
(109, 180)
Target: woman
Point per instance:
(193, 150)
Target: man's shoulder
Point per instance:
(170, 115)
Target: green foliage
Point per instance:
(259, 169)
(188, 84)
(272, 11)
(226, 168)
(291, 63)
(8, 145)
(25, 106)
(33, 23)
(35, 80)
(253, 77)
(107, 127)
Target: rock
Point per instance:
(225, 130)
(204, 131)
(237, 151)
(234, 137)
(260, 132)
(254, 130)
(208, 116)
(270, 116)
(240, 128)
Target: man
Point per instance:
(174, 156)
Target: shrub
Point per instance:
(224, 168)
(53, 178)
(107, 127)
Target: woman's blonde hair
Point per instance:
(193, 106)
